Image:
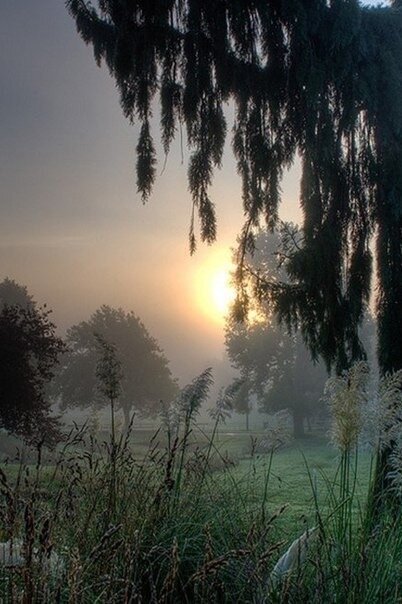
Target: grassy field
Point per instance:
(190, 519)
(296, 472)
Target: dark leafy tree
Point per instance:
(261, 350)
(12, 293)
(146, 377)
(321, 78)
(280, 370)
(29, 353)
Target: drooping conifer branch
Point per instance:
(317, 78)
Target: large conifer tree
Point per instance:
(322, 78)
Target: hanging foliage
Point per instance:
(318, 78)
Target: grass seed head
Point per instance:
(346, 394)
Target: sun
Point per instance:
(214, 290)
(222, 292)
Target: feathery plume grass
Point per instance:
(224, 403)
(194, 394)
(389, 409)
(346, 395)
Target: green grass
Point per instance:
(208, 529)
(293, 468)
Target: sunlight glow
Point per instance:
(214, 291)
(222, 292)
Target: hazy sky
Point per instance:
(72, 227)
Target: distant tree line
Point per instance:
(39, 368)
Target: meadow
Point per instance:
(194, 515)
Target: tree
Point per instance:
(315, 77)
(297, 386)
(260, 349)
(12, 293)
(29, 353)
(277, 370)
(146, 377)
(242, 401)
(280, 369)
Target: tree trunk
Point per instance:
(298, 424)
(389, 255)
(389, 274)
(127, 417)
(247, 420)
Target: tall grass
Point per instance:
(185, 526)
(178, 530)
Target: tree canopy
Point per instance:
(314, 77)
(276, 366)
(146, 377)
(29, 353)
(12, 293)
(277, 370)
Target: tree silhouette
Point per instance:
(276, 363)
(315, 77)
(12, 293)
(29, 352)
(146, 377)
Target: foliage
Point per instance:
(297, 385)
(29, 353)
(277, 370)
(276, 366)
(319, 79)
(146, 375)
(242, 402)
(12, 293)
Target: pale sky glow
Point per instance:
(72, 227)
